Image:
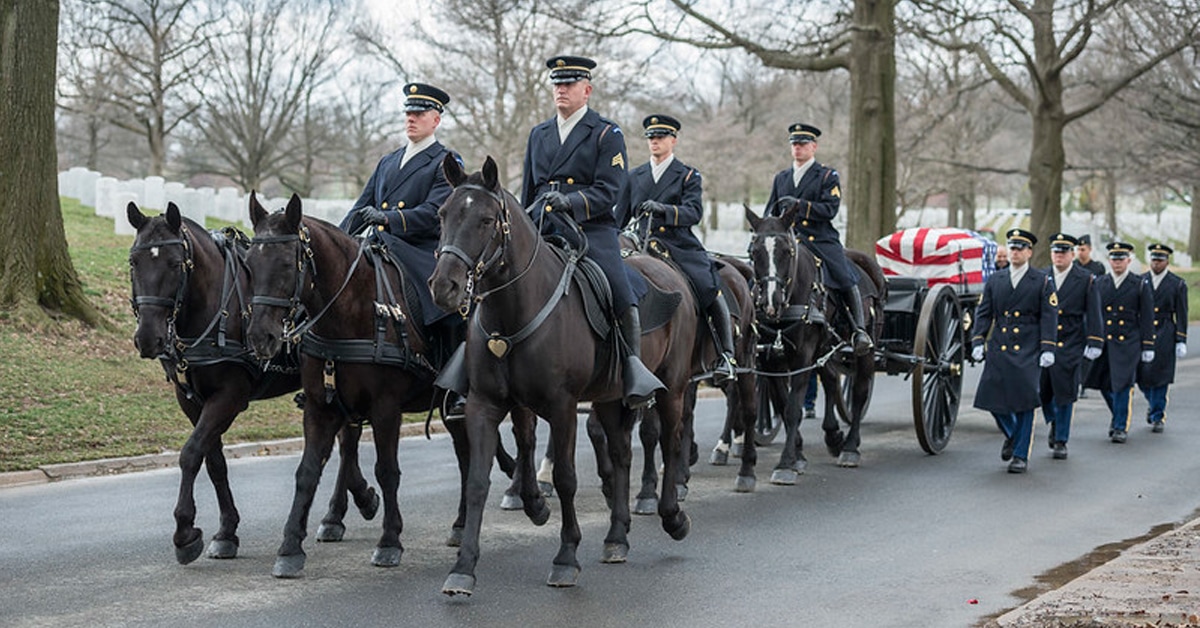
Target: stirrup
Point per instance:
(724, 369)
(862, 343)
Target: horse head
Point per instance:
(160, 263)
(277, 261)
(476, 227)
(774, 256)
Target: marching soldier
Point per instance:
(1017, 319)
(1083, 252)
(1127, 304)
(816, 190)
(402, 199)
(662, 197)
(1079, 339)
(1170, 328)
(575, 165)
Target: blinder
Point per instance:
(186, 268)
(304, 264)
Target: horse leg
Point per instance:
(675, 521)
(522, 466)
(617, 421)
(387, 474)
(687, 438)
(349, 480)
(225, 542)
(646, 502)
(720, 453)
(209, 422)
(565, 570)
(595, 433)
(860, 396)
(545, 474)
(321, 425)
(834, 438)
(462, 454)
(791, 459)
(483, 427)
(740, 403)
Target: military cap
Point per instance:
(659, 125)
(1160, 251)
(800, 133)
(1118, 250)
(1085, 239)
(1020, 239)
(568, 69)
(422, 97)
(1062, 243)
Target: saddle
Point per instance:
(655, 308)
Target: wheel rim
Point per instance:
(937, 379)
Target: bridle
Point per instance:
(136, 301)
(761, 284)
(305, 263)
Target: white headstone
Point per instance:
(173, 192)
(230, 205)
(123, 198)
(106, 187)
(206, 201)
(86, 187)
(153, 196)
(66, 185)
(192, 205)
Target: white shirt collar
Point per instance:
(1059, 278)
(657, 169)
(565, 126)
(798, 170)
(412, 149)
(1017, 273)
(1117, 279)
(1157, 278)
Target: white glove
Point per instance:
(977, 353)
(1148, 356)
(1091, 353)
(1047, 359)
(1180, 349)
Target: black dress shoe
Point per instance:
(810, 413)
(1060, 451)
(1119, 436)
(1018, 465)
(1006, 451)
(1157, 427)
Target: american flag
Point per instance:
(940, 255)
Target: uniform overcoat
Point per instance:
(1079, 326)
(1128, 314)
(1170, 327)
(1017, 324)
(820, 195)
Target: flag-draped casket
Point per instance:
(939, 255)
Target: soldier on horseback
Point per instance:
(815, 189)
(401, 200)
(575, 167)
(662, 199)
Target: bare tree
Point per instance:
(369, 117)
(1030, 47)
(36, 274)
(264, 72)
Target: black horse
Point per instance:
(799, 324)
(189, 293)
(363, 359)
(530, 343)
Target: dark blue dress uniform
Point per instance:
(1018, 325)
(1080, 326)
(1128, 313)
(820, 197)
(409, 197)
(1170, 327)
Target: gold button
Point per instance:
(384, 206)
(1120, 308)
(1003, 348)
(400, 205)
(1121, 322)
(549, 209)
(570, 181)
(662, 229)
(1120, 337)
(1109, 308)
(1016, 331)
(1060, 314)
(810, 238)
(804, 223)
(1016, 347)
(1060, 327)
(1017, 314)
(1060, 343)
(1155, 309)
(1110, 336)
(1004, 330)
(1109, 322)
(1156, 323)
(1006, 312)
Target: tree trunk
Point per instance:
(1109, 197)
(35, 268)
(870, 202)
(1047, 160)
(1193, 246)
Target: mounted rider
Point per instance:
(662, 201)
(401, 201)
(575, 167)
(815, 188)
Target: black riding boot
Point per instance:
(718, 317)
(639, 383)
(862, 340)
(453, 374)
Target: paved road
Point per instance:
(905, 540)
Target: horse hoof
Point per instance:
(681, 491)
(744, 484)
(849, 459)
(541, 515)
(386, 556)
(679, 530)
(459, 584)
(718, 458)
(800, 466)
(511, 502)
(562, 576)
(288, 566)
(190, 552)
(372, 506)
(645, 506)
(615, 553)
(735, 449)
(330, 532)
(546, 488)
(222, 548)
(784, 477)
(834, 441)
(455, 538)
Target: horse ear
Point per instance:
(257, 211)
(789, 216)
(137, 219)
(751, 217)
(491, 173)
(293, 212)
(453, 170)
(174, 220)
